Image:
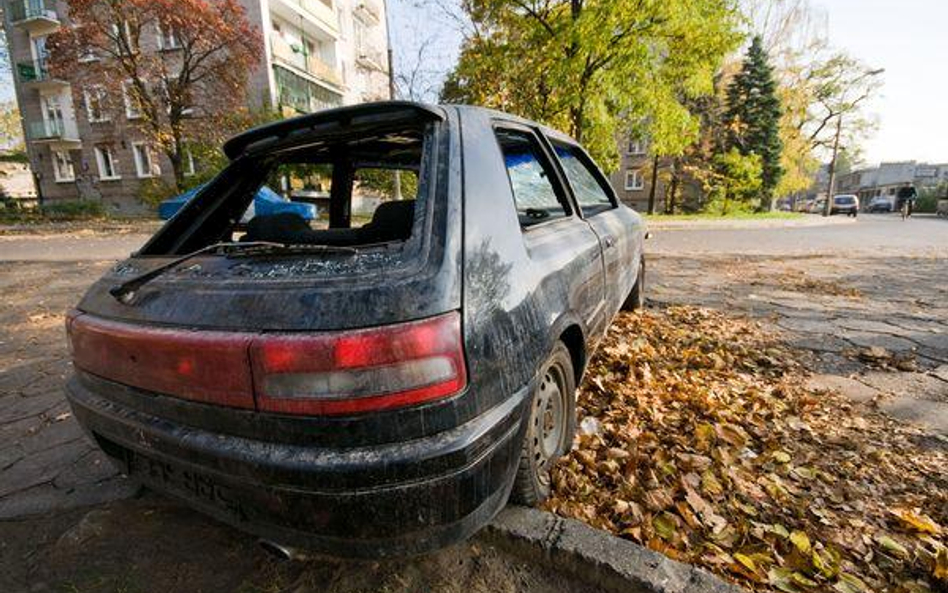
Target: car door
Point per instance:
(562, 248)
(616, 226)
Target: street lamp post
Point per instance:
(391, 87)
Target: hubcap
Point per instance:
(549, 424)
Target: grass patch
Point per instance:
(55, 212)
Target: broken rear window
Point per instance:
(347, 191)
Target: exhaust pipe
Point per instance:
(281, 551)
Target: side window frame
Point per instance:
(550, 165)
(594, 170)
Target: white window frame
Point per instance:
(636, 147)
(124, 29)
(142, 152)
(634, 180)
(188, 158)
(169, 41)
(103, 154)
(132, 111)
(62, 157)
(98, 94)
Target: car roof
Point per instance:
(362, 114)
(367, 113)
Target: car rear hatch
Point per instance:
(355, 316)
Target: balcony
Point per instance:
(58, 133)
(371, 59)
(316, 18)
(38, 17)
(36, 74)
(310, 65)
(300, 95)
(370, 11)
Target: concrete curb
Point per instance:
(594, 556)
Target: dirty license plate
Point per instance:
(184, 482)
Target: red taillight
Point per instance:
(314, 374)
(204, 366)
(359, 371)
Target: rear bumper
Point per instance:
(395, 499)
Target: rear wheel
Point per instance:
(636, 298)
(550, 428)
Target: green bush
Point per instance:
(929, 196)
(155, 191)
(74, 210)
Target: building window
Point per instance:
(106, 161)
(145, 164)
(636, 147)
(167, 40)
(96, 104)
(634, 181)
(187, 159)
(133, 108)
(124, 37)
(63, 170)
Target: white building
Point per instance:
(314, 54)
(320, 53)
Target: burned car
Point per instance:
(380, 382)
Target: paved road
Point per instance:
(69, 246)
(871, 235)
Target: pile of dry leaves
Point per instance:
(699, 440)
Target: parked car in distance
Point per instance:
(881, 204)
(265, 202)
(845, 204)
(373, 390)
(817, 206)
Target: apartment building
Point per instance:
(316, 54)
(632, 181)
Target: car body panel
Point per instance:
(396, 481)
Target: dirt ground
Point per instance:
(151, 544)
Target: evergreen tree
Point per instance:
(753, 117)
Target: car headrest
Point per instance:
(392, 221)
(285, 227)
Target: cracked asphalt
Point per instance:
(867, 301)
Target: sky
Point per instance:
(908, 38)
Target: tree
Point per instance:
(753, 117)
(182, 93)
(839, 85)
(735, 180)
(11, 130)
(596, 67)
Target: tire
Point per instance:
(550, 427)
(636, 298)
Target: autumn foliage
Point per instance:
(700, 440)
(183, 64)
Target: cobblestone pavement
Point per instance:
(45, 460)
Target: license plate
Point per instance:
(184, 482)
